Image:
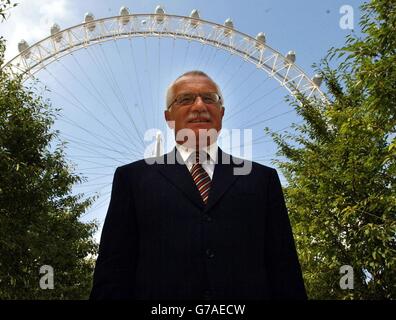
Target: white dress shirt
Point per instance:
(187, 155)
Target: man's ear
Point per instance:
(169, 119)
(222, 112)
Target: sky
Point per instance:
(112, 94)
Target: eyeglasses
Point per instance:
(187, 99)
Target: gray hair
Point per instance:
(170, 91)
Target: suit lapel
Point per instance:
(223, 178)
(177, 173)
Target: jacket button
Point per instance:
(209, 254)
(207, 218)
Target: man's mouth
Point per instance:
(199, 120)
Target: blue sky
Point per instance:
(113, 93)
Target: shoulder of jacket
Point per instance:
(134, 166)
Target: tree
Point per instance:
(5, 5)
(340, 166)
(39, 216)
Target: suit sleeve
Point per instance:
(114, 274)
(284, 271)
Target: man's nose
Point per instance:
(198, 104)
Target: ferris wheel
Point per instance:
(109, 76)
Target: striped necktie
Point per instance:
(201, 178)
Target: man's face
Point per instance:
(198, 116)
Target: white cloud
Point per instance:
(31, 20)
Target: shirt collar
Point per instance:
(186, 152)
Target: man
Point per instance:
(185, 226)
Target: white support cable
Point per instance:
(128, 74)
(120, 94)
(259, 141)
(271, 118)
(157, 122)
(149, 81)
(172, 55)
(142, 104)
(199, 55)
(120, 98)
(244, 99)
(104, 200)
(234, 75)
(263, 112)
(186, 54)
(210, 58)
(83, 108)
(78, 140)
(98, 154)
(93, 134)
(100, 99)
(251, 104)
(94, 148)
(230, 55)
(97, 168)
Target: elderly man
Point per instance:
(192, 228)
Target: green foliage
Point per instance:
(39, 216)
(5, 5)
(341, 166)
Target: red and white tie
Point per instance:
(201, 178)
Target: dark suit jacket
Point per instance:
(160, 241)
